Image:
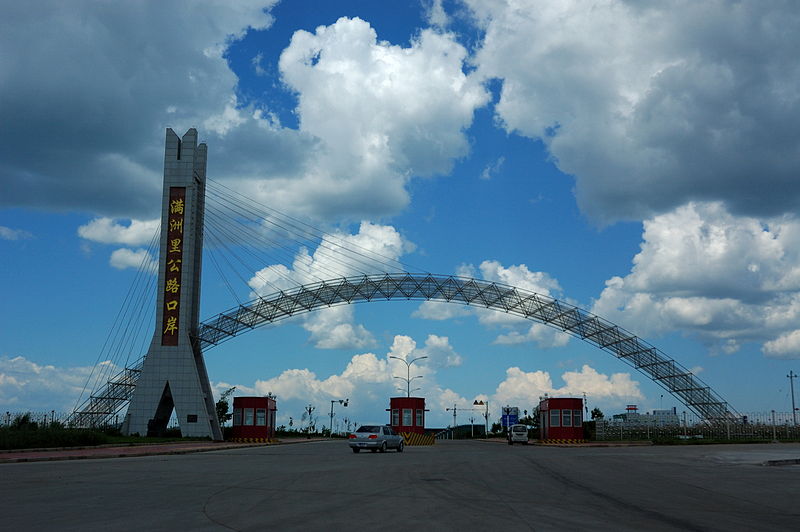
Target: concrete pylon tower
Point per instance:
(174, 373)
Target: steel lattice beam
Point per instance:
(592, 329)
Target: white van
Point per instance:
(518, 434)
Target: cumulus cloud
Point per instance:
(338, 255)
(333, 328)
(435, 13)
(724, 278)
(367, 380)
(28, 386)
(6, 233)
(139, 259)
(650, 106)
(525, 388)
(381, 113)
(371, 115)
(520, 329)
(109, 231)
(786, 345)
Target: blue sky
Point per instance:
(637, 161)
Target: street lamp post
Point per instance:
(485, 414)
(408, 378)
(342, 402)
(792, 377)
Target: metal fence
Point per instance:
(45, 419)
(753, 426)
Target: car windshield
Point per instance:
(519, 428)
(369, 428)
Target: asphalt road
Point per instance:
(450, 486)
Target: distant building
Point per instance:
(659, 418)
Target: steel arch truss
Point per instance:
(649, 360)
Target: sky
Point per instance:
(638, 160)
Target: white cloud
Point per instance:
(521, 329)
(492, 169)
(6, 233)
(702, 270)
(28, 386)
(439, 311)
(338, 255)
(333, 328)
(525, 388)
(109, 231)
(542, 335)
(367, 381)
(435, 13)
(786, 345)
(139, 259)
(651, 105)
(380, 112)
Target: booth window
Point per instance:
(261, 417)
(420, 417)
(576, 418)
(567, 417)
(555, 418)
(395, 417)
(248, 416)
(407, 419)
(237, 417)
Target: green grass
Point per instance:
(33, 437)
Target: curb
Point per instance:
(128, 451)
(788, 461)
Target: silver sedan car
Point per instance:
(375, 438)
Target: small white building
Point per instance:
(659, 418)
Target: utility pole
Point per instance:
(792, 377)
(455, 411)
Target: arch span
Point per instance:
(649, 360)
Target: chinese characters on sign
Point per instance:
(174, 266)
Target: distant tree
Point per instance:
(531, 420)
(223, 406)
(497, 427)
(597, 414)
(23, 422)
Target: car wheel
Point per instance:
(400, 448)
(355, 449)
(383, 447)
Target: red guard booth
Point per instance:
(407, 414)
(561, 418)
(254, 419)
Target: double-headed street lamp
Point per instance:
(408, 377)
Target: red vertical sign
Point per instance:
(173, 267)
